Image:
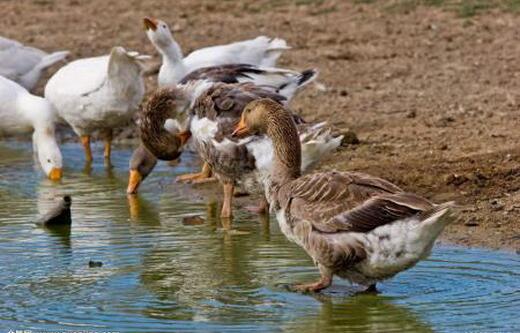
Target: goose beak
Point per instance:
(134, 180)
(150, 23)
(55, 174)
(184, 137)
(241, 129)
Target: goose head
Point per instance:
(158, 32)
(142, 163)
(161, 133)
(253, 120)
(265, 116)
(48, 152)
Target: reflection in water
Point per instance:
(61, 233)
(160, 275)
(361, 313)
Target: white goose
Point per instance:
(24, 64)
(261, 51)
(98, 93)
(22, 112)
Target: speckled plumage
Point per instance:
(353, 225)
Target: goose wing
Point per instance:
(349, 202)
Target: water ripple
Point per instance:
(159, 275)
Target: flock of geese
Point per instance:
(230, 104)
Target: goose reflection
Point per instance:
(360, 313)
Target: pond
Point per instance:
(162, 275)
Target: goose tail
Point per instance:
(291, 88)
(275, 48)
(52, 58)
(317, 142)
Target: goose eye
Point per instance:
(49, 160)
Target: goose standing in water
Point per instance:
(285, 81)
(24, 64)
(98, 94)
(214, 109)
(261, 51)
(22, 112)
(239, 59)
(353, 225)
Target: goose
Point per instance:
(353, 225)
(214, 109)
(24, 64)
(21, 112)
(261, 51)
(98, 93)
(285, 81)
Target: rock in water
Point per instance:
(93, 264)
(58, 215)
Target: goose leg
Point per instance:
(324, 282)
(228, 200)
(204, 176)
(85, 141)
(108, 144)
(261, 209)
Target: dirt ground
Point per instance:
(432, 91)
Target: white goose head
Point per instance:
(158, 32)
(48, 152)
(42, 115)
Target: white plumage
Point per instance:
(261, 51)
(98, 93)
(24, 64)
(22, 112)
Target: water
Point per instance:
(160, 275)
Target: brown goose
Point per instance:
(353, 225)
(214, 112)
(286, 82)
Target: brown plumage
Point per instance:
(162, 105)
(279, 82)
(353, 225)
(230, 73)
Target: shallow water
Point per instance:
(160, 275)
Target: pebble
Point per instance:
(349, 138)
(412, 114)
(192, 220)
(455, 179)
(472, 222)
(93, 264)
(496, 205)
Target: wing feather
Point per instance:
(349, 201)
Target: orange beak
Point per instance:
(241, 128)
(55, 174)
(133, 203)
(134, 180)
(184, 137)
(150, 23)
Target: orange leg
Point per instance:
(324, 282)
(108, 144)
(228, 200)
(85, 141)
(204, 176)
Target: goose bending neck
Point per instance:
(161, 143)
(281, 129)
